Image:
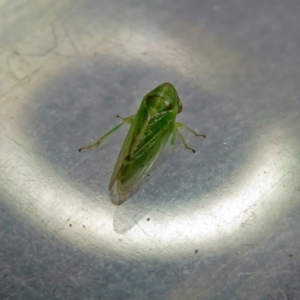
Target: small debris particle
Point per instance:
(288, 254)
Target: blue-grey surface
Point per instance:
(219, 224)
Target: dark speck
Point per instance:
(288, 254)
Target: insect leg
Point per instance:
(97, 143)
(173, 138)
(176, 131)
(178, 124)
(127, 119)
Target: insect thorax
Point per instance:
(158, 103)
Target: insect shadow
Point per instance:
(128, 215)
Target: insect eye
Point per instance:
(180, 107)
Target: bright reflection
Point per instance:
(235, 208)
(54, 204)
(39, 194)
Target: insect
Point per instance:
(150, 128)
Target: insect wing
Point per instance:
(123, 153)
(120, 190)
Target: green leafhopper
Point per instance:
(150, 129)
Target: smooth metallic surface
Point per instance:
(219, 224)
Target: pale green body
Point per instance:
(150, 129)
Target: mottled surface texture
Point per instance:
(220, 224)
